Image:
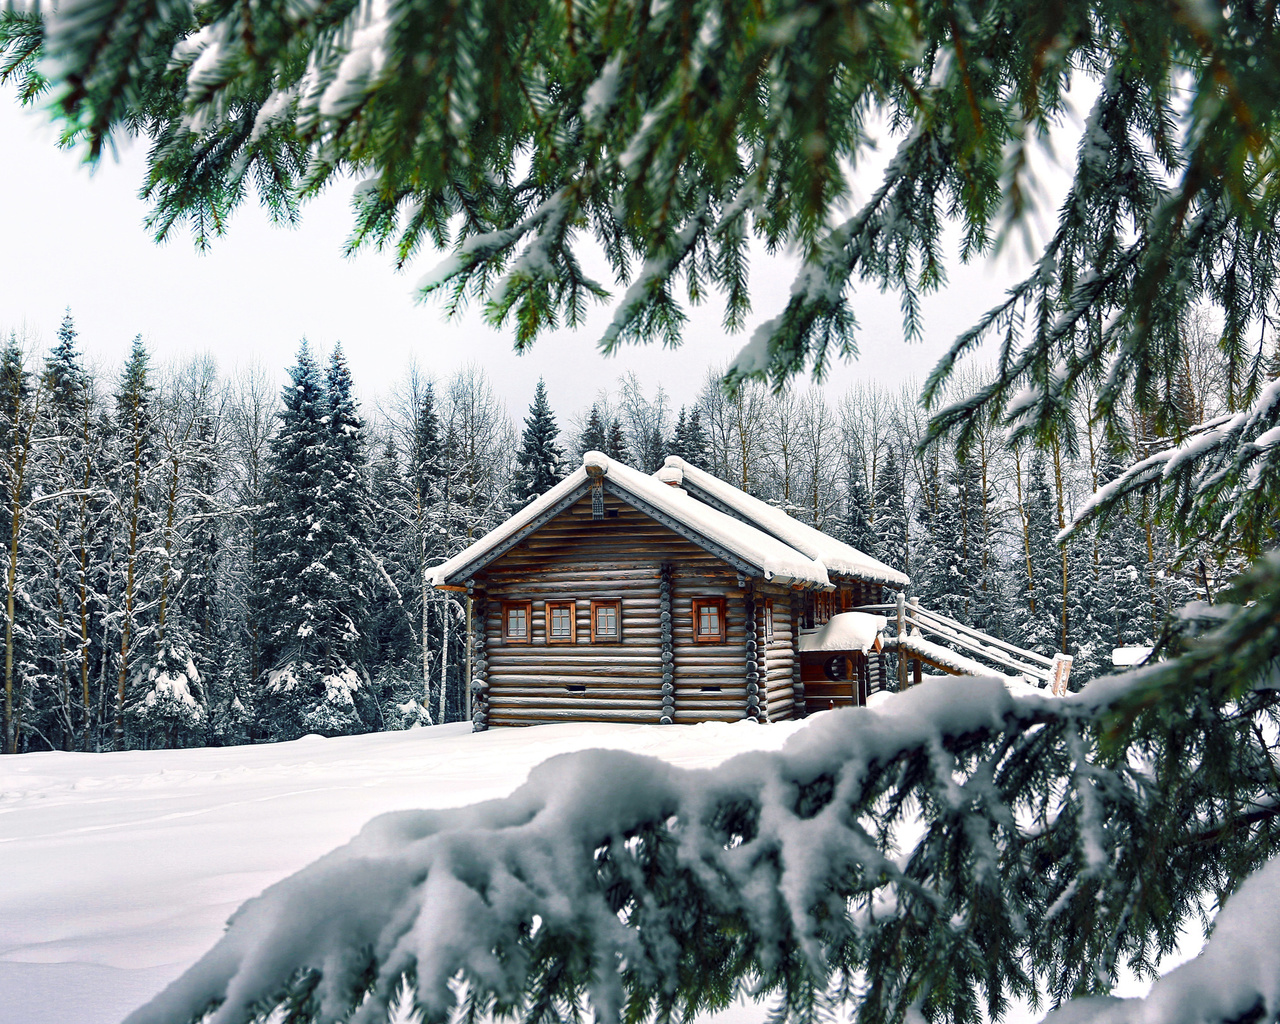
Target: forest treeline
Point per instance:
(198, 560)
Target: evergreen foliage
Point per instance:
(315, 556)
(593, 438)
(540, 461)
(855, 527)
(690, 441)
(892, 522)
(615, 445)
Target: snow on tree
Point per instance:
(932, 860)
(592, 438)
(19, 411)
(540, 460)
(134, 461)
(616, 444)
(168, 698)
(689, 441)
(854, 527)
(892, 525)
(314, 545)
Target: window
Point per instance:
(768, 620)
(517, 621)
(708, 620)
(606, 622)
(561, 627)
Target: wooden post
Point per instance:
(902, 633)
(1059, 674)
(470, 643)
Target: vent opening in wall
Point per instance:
(576, 689)
(711, 689)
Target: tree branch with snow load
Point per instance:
(958, 848)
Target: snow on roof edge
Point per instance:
(835, 555)
(773, 556)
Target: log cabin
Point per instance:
(673, 598)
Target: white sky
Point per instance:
(76, 239)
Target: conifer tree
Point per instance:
(593, 437)
(891, 526)
(71, 532)
(133, 465)
(19, 412)
(313, 555)
(653, 451)
(697, 445)
(540, 460)
(616, 443)
(854, 527)
(1040, 610)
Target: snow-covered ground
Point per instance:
(118, 870)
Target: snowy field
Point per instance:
(118, 870)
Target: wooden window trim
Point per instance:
(528, 622)
(572, 638)
(768, 619)
(607, 638)
(707, 638)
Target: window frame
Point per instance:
(607, 638)
(548, 611)
(527, 608)
(707, 638)
(768, 620)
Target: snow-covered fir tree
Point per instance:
(133, 465)
(313, 538)
(689, 440)
(615, 445)
(593, 437)
(892, 524)
(540, 460)
(854, 526)
(19, 412)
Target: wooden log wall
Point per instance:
(575, 557)
(779, 664)
(479, 669)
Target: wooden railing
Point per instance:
(1036, 668)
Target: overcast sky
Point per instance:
(76, 239)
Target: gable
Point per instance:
(744, 547)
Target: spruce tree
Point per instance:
(854, 526)
(697, 444)
(73, 528)
(314, 543)
(616, 443)
(19, 409)
(540, 460)
(891, 525)
(593, 437)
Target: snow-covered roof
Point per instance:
(845, 631)
(774, 558)
(836, 556)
